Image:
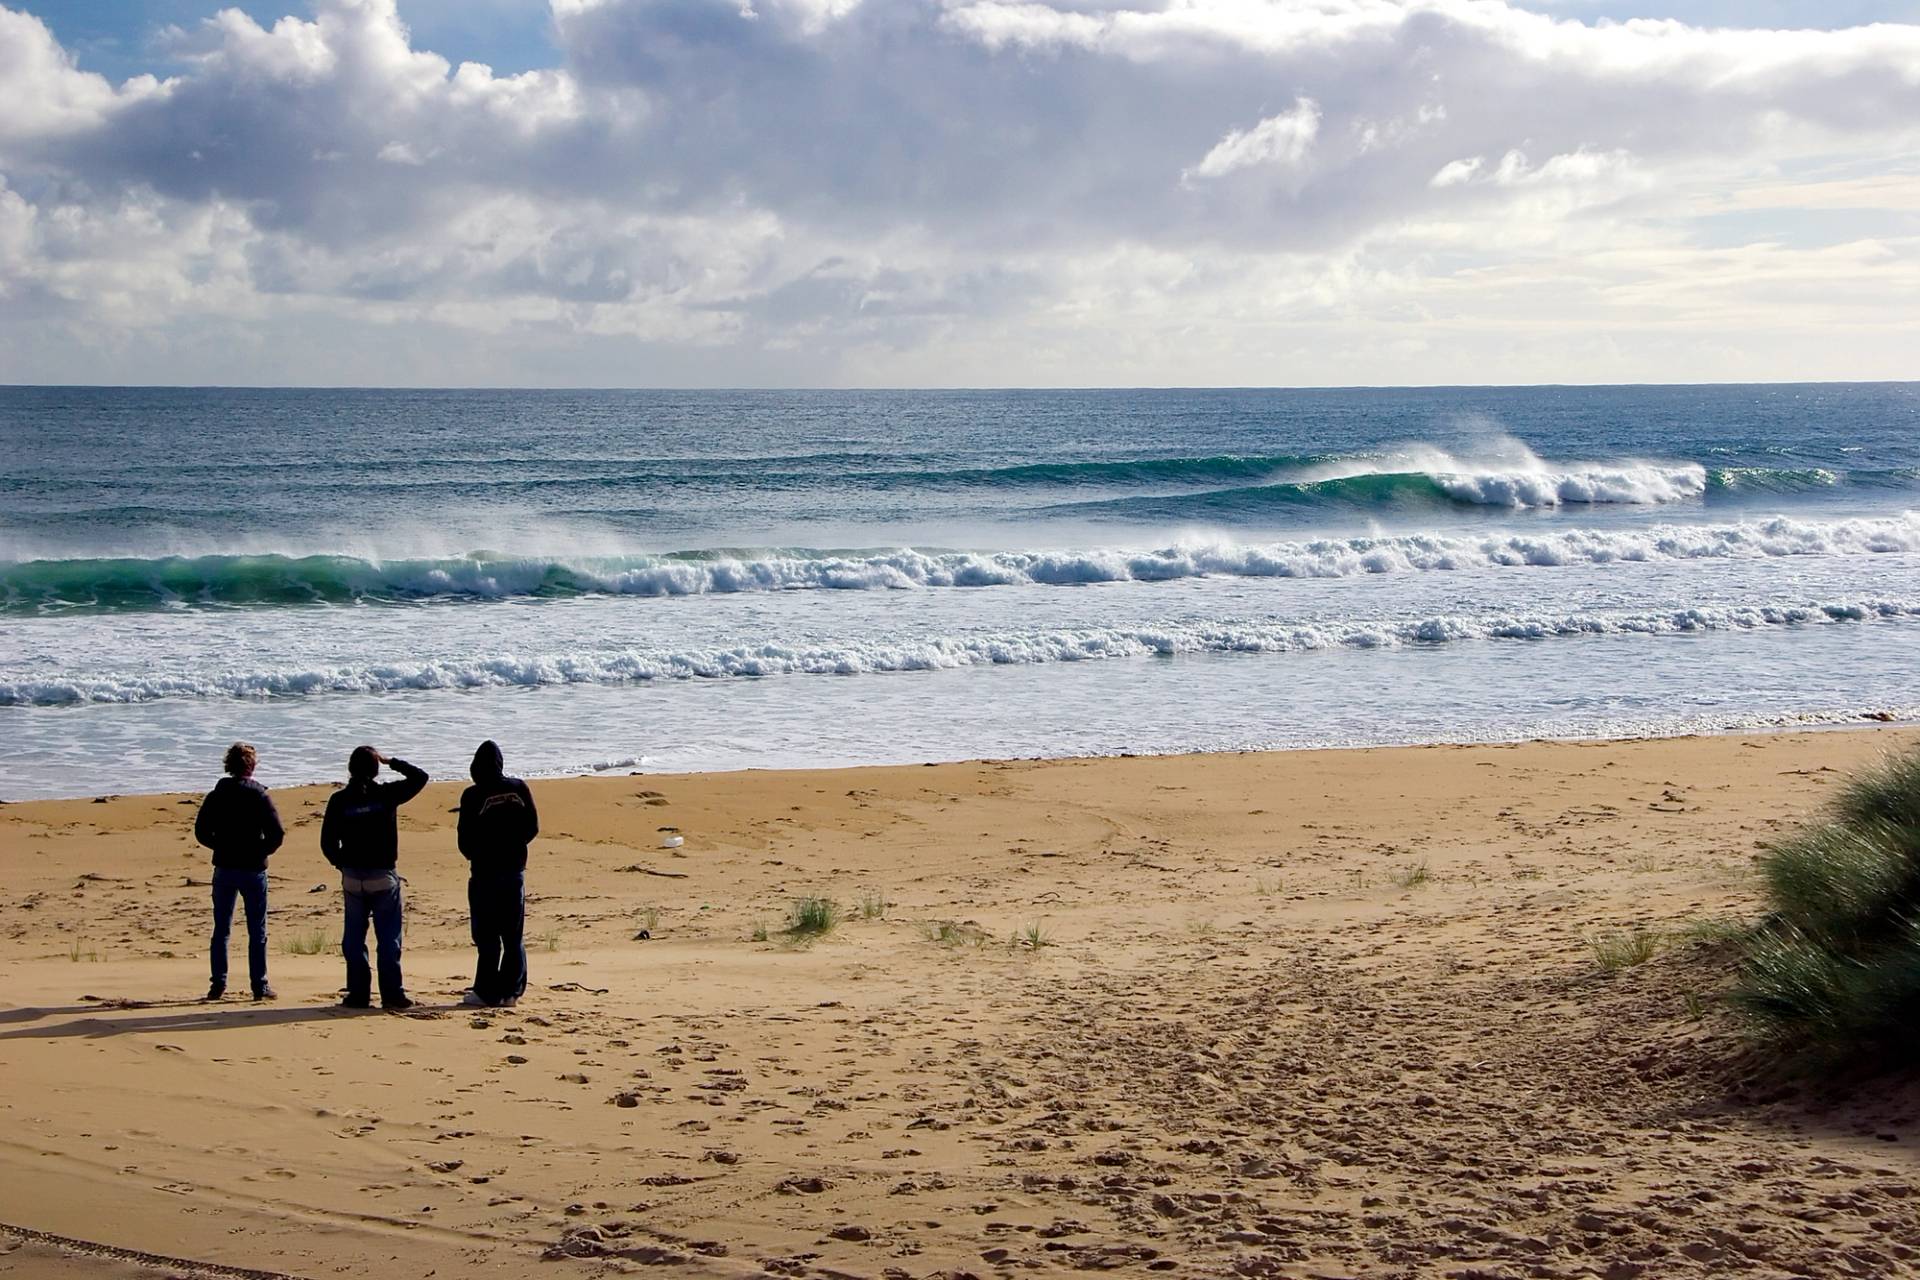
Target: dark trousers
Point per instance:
(251, 888)
(497, 902)
(372, 896)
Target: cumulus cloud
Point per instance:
(1280, 141)
(831, 190)
(48, 97)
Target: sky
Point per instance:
(958, 192)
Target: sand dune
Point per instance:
(1308, 1014)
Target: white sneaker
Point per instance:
(472, 1000)
(509, 1002)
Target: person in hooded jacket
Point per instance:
(497, 822)
(360, 836)
(238, 822)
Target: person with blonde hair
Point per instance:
(238, 822)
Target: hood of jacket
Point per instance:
(488, 764)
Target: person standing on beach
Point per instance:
(497, 822)
(238, 822)
(360, 836)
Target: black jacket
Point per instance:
(238, 822)
(361, 830)
(497, 817)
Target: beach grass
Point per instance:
(310, 943)
(1624, 948)
(1842, 881)
(949, 933)
(1835, 966)
(1411, 877)
(1889, 794)
(811, 918)
(1717, 931)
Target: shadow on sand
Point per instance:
(104, 1020)
(91, 1004)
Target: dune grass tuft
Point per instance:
(1411, 877)
(1845, 883)
(1624, 948)
(310, 943)
(873, 906)
(1888, 795)
(812, 917)
(949, 933)
(1836, 965)
(1033, 937)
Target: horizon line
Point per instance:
(955, 388)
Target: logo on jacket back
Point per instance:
(502, 798)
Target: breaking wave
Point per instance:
(1386, 491)
(627, 666)
(1390, 490)
(265, 580)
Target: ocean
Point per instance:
(664, 581)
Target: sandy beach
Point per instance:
(1297, 1014)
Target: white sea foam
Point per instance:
(1551, 488)
(625, 666)
(609, 766)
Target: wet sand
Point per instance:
(1294, 1014)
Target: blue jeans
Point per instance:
(251, 887)
(497, 902)
(375, 896)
